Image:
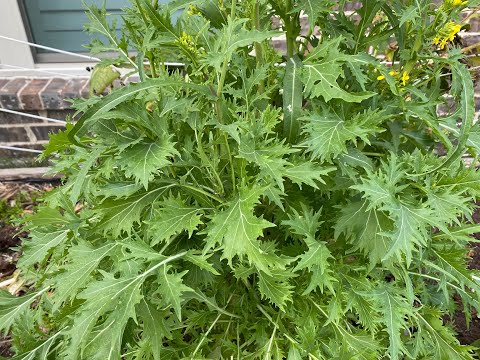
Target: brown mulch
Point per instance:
(10, 234)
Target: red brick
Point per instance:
(30, 95)
(52, 95)
(9, 93)
(73, 90)
(13, 134)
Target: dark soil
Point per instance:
(16, 200)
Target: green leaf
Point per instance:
(409, 14)
(320, 76)
(172, 217)
(119, 215)
(142, 160)
(276, 288)
(292, 99)
(81, 261)
(114, 300)
(328, 134)
(40, 244)
(172, 289)
(11, 307)
(231, 37)
(434, 331)
(365, 229)
(308, 173)
(154, 327)
(121, 95)
(267, 156)
(394, 309)
(316, 258)
(236, 229)
(314, 9)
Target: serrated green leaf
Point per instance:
(154, 327)
(328, 135)
(142, 160)
(236, 229)
(276, 288)
(307, 173)
(81, 261)
(172, 217)
(11, 307)
(40, 244)
(172, 289)
(119, 215)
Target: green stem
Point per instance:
(258, 46)
(288, 26)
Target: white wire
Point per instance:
(50, 48)
(21, 68)
(33, 116)
(20, 149)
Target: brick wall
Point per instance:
(46, 98)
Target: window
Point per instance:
(59, 24)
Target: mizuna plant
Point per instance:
(254, 205)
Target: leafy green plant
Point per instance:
(253, 205)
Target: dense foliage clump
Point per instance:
(254, 205)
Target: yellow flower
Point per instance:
(393, 73)
(405, 78)
(193, 10)
(451, 4)
(187, 41)
(446, 34)
(381, 77)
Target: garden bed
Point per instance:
(20, 198)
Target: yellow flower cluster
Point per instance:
(447, 34)
(187, 41)
(403, 79)
(451, 4)
(193, 10)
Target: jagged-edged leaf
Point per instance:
(154, 327)
(316, 261)
(40, 351)
(276, 288)
(142, 160)
(123, 94)
(118, 190)
(119, 215)
(307, 172)
(328, 134)
(322, 69)
(395, 309)
(409, 232)
(314, 9)
(366, 229)
(172, 289)
(11, 307)
(232, 36)
(40, 244)
(81, 261)
(236, 229)
(267, 156)
(172, 217)
(114, 300)
(444, 343)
